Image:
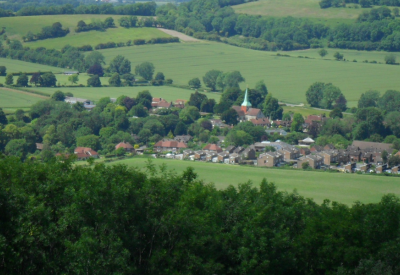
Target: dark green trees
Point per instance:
(94, 81)
(120, 65)
(145, 70)
(48, 80)
(326, 96)
(22, 80)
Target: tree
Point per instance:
(90, 141)
(3, 70)
(297, 124)
(392, 120)
(239, 138)
(96, 69)
(120, 65)
(58, 96)
(35, 79)
(160, 76)
(369, 99)
(230, 117)
(109, 22)
(129, 79)
(48, 80)
(229, 80)
(196, 99)
(145, 70)
(189, 114)
(94, 58)
(9, 79)
(331, 96)
(195, 83)
(22, 80)
(390, 59)
(3, 118)
(336, 113)
(261, 88)
(128, 102)
(144, 98)
(315, 94)
(305, 165)
(94, 81)
(396, 12)
(322, 52)
(338, 56)
(385, 155)
(114, 80)
(210, 79)
(271, 108)
(16, 147)
(73, 78)
(138, 110)
(180, 129)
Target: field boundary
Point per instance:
(26, 91)
(181, 36)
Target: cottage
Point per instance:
(183, 138)
(160, 103)
(141, 150)
(169, 145)
(212, 156)
(126, 145)
(188, 153)
(200, 155)
(39, 146)
(269, 159)
(248, 154)
(234, 158)
(83, 153)
(223, 157)
(212, 148)
(264, 122)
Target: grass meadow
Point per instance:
(299, 8)
(16, 66)
(166, 92)
(344, 188)
(11, 100)
(94, 38)
(287, 78)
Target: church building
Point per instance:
(245, 112)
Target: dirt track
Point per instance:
(180, 35)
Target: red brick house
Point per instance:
(127, 147)
(169, 145)
(83, 153)
(212, 148)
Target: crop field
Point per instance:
(344, 188)
(287, 78)
(15, 66)
(10, 100)
(94, 38)
(298, 8)
(166, 92)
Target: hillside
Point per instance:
(297, 8)
(287, 78)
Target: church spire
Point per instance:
(246, 103)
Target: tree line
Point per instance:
(64, 218)
(52, 31)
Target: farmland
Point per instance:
(298, 8)
(166, 92)
(11, 100)
(344, 188)
(287, 78)
(15, 66)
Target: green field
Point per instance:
(10, 100)
(15, 66)
(96, 37)
(286, 78)
(344, 188)
(297, 8)
(166, 92)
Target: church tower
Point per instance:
(246, 105)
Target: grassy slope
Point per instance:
(168, 93)
(286, 78)
(96, 37)
(345, 188)
(15, 66)
(297, 8)
(12, 100)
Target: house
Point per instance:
(74, 100)
(395, 170)
(307, 141)
(269, 159)
(70, 72)
(200, 155)
(304, 151)
(316, 148)
(350, 167)
(283, 123)
(264, 122)
(311, 118)
(381, 168)
(127, 147)
(39, 146)
(369, 146)
(183, 138)
(212, 156)
(314, 161)
(231, 149)
(180, 103)
(83, 153)
(212, 148)
(141, 150)
(245, 112)
(234, 158)
(276, 131)
(160, 103)
(343, 156)
(329, 156)
(248, 154)
(217, 122)
(290, 153)
(329, 147)
(364, 168)
(223, 157)
(169, 145)
(188, 153)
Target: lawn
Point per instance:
(15, 66)
(297, 8)
(11, 100)
(286, 78)
(96, 37)
(166, 92)
(344, 188)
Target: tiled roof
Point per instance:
(212, 147)
(123, 145)
(253, 112)
(170, 144)
(367, 144)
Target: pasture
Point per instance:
(166, 92)
(11, 100)
(16, 66)
(94, 38)
(299, 8)
(344, 188)
(287, 78)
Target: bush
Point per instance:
(85, 48)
